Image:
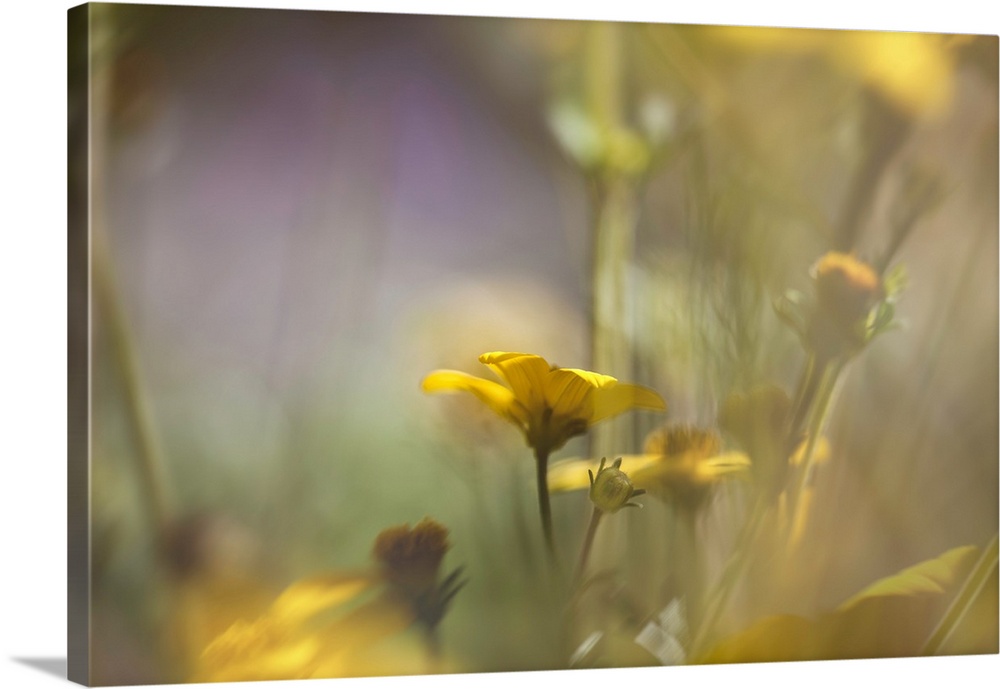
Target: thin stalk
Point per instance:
(588, 544)
(544, 505)
(727, 581)
(432, 645)
(816, 395)
(615, 209)
(150, 465)
(149, 461)
(803, 399)
(960, 607)
(688, 563)
(817, 420)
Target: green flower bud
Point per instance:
(612, 489)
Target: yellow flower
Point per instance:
(691, 462)
(915, 72)
(550, 405)
(321, 626)
(681, 464)
(302, 634)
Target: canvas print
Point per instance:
(407, 344)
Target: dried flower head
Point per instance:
(847, 289)
(412, 557)
(411, 561)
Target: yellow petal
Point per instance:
(821, 453)
(611, 400)
(567, 394)
(687, 469)
(728, 463)
(264, 649)
(526, 374)
(367, 624)
(495, 396)
(311, 596)
(596, 380)
(571, 474)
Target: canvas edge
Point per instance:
(78, 346)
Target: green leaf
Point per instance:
(895, 281)
(893, 617)
(931, 576)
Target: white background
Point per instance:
(33, 336)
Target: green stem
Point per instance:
(615, 208)
(432, 644)
(588, 544)
(803, 398)
(817, 419)
(148, 458)
(544, 505)
(688, 563)
(107, 296)
(959, 607)
(727, 581)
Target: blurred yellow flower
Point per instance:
(691, 462)
(293, 639)
(681, 464)
(550, 405)
(912, 71)
(326, 625)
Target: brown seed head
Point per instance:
(411, 558)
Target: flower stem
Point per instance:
(803, 398)
(432, 641)
(690, 577)
(544, 506)
(817, 419)
(727, 581)
(588, 544)
(615, 208)
(109, 307)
